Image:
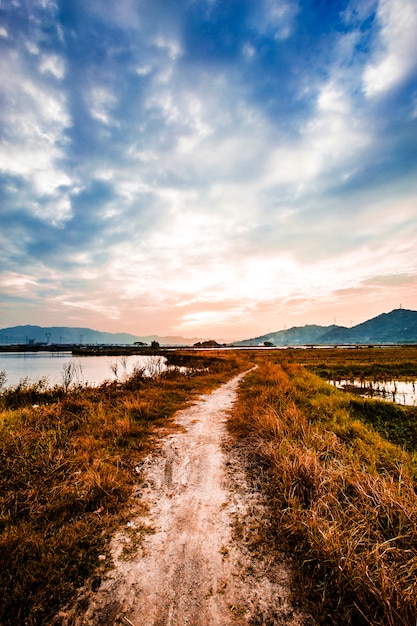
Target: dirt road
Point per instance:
(189, 568)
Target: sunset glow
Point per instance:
(208, 168)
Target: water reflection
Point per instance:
(87, 370)
(397, 391)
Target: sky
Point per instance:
(207, 168)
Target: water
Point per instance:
(396, 391)
(88, 370)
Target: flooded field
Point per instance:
(397, 391)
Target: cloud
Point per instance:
(392, 280)
(101, 102)
(206, 163)
(53, 64)
(34, 121)
(395, 55)
(275, 19)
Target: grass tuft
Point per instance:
(342, 498)
(67, 469)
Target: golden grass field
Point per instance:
(339, 474)
(342, 497)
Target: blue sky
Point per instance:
(207, 168)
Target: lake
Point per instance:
(88, 370)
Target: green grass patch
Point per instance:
(396, 423)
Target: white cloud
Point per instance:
(396, 55)
(208, 142)
(44, 103)
(101, 101)
(171, 46)
(166, 104)
(53, 64)
(335, 137)
(248, 51)
(332, 139)
(32, 48)
(34, 139)
(332, 98)
(276, 18)
(128, 15)
(14, 281)
(56, 210)
(143, 70)
(212, 202)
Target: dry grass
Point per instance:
(342, 498)
(370, 363)
(67, 468)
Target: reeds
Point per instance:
(370, 363)
(342, 498)
(67, 469)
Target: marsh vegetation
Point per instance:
(339, 473)
(68, 458)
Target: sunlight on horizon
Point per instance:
(220, 171)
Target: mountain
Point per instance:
(68, 335)
(296, 336)
(398, 326)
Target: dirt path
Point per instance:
(188, 568)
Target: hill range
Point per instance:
(81, 336)
(397, 327)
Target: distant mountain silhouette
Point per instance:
(398, 326)
(68, 335)
(296, 336)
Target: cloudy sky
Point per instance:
(211, 168)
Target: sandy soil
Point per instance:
(190, 560)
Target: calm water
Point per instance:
(91, 370)
(392, 391)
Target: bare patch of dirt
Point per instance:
(190, 560)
